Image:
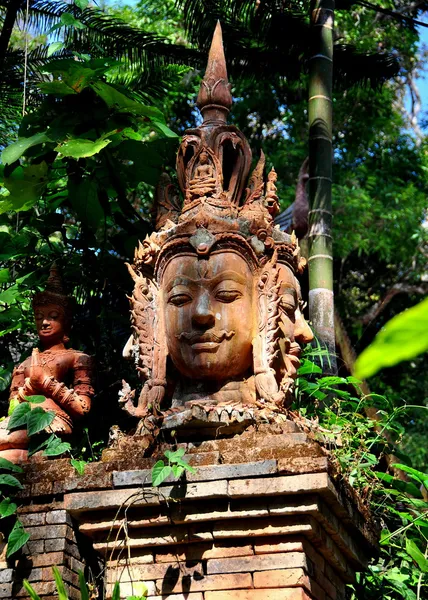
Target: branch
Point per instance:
(398, 288)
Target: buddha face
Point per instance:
(50, 323)
(295, 330)
(208, 310)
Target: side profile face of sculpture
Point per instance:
(62, 375)
(216, 307)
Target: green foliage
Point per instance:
(175, 466)
(402, 338)
(358, 445)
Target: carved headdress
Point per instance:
(221, 213)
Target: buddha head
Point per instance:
(52, 311)
(216, 301)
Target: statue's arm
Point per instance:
(18, 383)
(76, 401)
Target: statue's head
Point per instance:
(216, 298)
(52, 311)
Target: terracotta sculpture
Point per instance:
(63, 376)
(216, 308)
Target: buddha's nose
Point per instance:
(203, 315)
(302, 331)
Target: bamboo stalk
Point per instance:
(321, 301)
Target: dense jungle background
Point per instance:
(98, 96)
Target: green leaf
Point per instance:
(18, 537)
(406, 487)
(38, 420)
(68, 19)
(62, 594)
(140, 589)
(84, 592)
(55, 47)
(25, 185)
(82, 4)
(177, 471)
(173, 455)
(13, 403)
(116, 592)
(160, 472)
(418, 475)
(84, 199)
(10, 466)
(30, 590)
(185, 465)
(307, 367)
(413, 551)
(10, 480)
(82, 148)
(35, 399)
(19, 416)
(402, 338)
(57, 88)
(79, 465)
(7, 508)
(17, 149)
(55, 447)
(4, 275)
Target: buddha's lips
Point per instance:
(207, 337)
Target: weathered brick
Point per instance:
(30, 519)
(142, 558)
(209, 582)
(55, 545)
(131, 589)
(43, 488)
(281, 578)
(6, 575)
(308, 464)
(6, 590)
(58, 517)
(34, 547)
(151, 572)
(262, 527)
(42, 588)
(37, 575)
(271, 486)
(196, 596)
(259, 562)
(273, 594)
(46, 532)
(273, 545)
(210, 473)
(47, 559)
(202, 551)
(203, 459)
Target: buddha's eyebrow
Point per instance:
(210, 282)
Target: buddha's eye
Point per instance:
(179, 299)
(228, 295)
(54, 316)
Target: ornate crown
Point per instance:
(213, 163)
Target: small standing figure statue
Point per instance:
(63, 376)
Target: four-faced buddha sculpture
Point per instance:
(216, 307)
(63, 376)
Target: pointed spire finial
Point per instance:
(214, 98)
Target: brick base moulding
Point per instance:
(263, 517)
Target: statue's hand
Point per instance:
(37, 373)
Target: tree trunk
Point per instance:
(321, 302)
(6, 32)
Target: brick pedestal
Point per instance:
(262, 518)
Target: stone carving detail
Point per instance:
(63, 376)
(216, 307)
